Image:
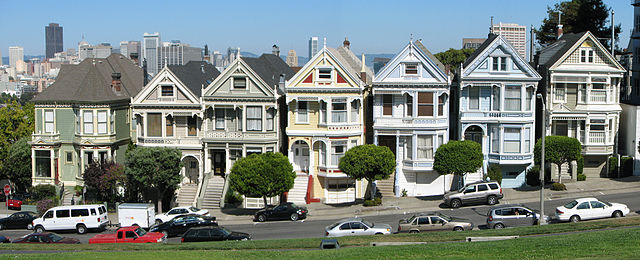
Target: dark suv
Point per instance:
(488, 192)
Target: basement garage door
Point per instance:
(340, 190)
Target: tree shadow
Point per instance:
(239, 211)
(627, 179)
(347, 204)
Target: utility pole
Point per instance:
(531, 45)
(542, 221)
(613, 34)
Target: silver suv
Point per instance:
(512, 216)
(479, 192)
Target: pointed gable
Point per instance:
(582, 50)
(413, 64)
(329, 68)
(496, 58)
(178, 84)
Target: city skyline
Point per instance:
(353, 19)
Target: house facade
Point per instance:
(496, 90)
(629, 134)
(325, 118)
(83, 117)
(411, 117)
(581, 86)
(168, 113)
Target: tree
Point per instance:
(105, 178)
(453, 57)
(578, 16)
(558, 150)
(458, 158)
(16, 121)
(18, 164)
(155, 168)
(369, 162)
(264, 175)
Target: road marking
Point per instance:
(602, 193)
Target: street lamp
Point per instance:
(542, 221)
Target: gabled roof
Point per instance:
(488, 47)
(430, 55)
(552, 53)
(480, 49)
(352, 63)
(269, 67)
(423, 56)
(90, 81)
(195, 75)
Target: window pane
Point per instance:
(425, 147)
(495, 98)
(441, 100)
(192, 126)
(271, 114)
(169, 126)
(102, 122)
(409, 105)
(167, 91)
(337, 151)
(411, 69)
(220, 113)
(324, 73)
(425, 104)
(512, 140)
(495, 140)
(302, 112)
(354, 111)
(254, 118)
(512, 98)
(239, 83)
(323, 112)
(339, 112)
(43, 163)
(88, 122)
(154, 124)
(474, 98)
(387, 104)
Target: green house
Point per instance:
(84, 116)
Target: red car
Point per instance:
(14, 202)
(128, 235)
(46, 238)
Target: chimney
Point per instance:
(447, 68)
(134, 57)
(559, 25)
(116, 83)
(275, 50)
(346, 43)
(363, 72)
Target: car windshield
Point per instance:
(225, 231)
(141, 232)
(411, 219)
(369, 224)
(54, 237)
(570, 205)
(294, 205)
(194, 209)
(447, 218)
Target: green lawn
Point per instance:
(609, 244)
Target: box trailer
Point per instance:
(136, 214)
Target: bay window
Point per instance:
(512, 98)
(425, 147)
(323, 153)
(169, 126)
(302, 113)
(43, 163)
(425, 103)
(254, 118)
(474, 98)
(271, 114)
(337, 151)
(154, 124)
(409, 105)
(339, 111)
(220, 113)
(48, 121)
(512, 140)
(441, 100)
(87, 119)
(528, 106)
(192, 126)
(527, 140)
(495, 98)
(323, 112)
(102, 122)
(355, 112)
(387, 105)
(495, 140)
(408, 148)
(559, 92)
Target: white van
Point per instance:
(78, 217)
(136, 214)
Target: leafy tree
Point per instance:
(558, 150)
(578, 16)
(105, 179)
(494, 172)
(265, 175)
(369, 162)
(18, 164)
(155, 168)
(16, 121)
(458, 158)
(453, 57)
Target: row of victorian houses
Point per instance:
(316, 113)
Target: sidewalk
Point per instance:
(592, 187)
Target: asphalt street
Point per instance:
(314, 228)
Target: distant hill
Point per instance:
(368, 59)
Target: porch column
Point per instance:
(207, 160)
(587, 125)
(312, 155)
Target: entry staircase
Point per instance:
(213, 193)
(66, 197)
(386, 186)
(298, 193)
(187, 194)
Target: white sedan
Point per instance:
(590, 208)
(177, 211)
(356, 227)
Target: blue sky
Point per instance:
(371, 26)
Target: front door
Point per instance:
(219, 162)
(388, 141)
(300, 156)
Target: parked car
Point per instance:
(136, 214)
(284, 211)
(590, 208)
(15, 201)
(46, 237)
(78, 217)
(177, 211)
(356, 227)
(433, 222)
(5, 239)
(488, 192)
(20, 219)
(512, 216)
(128, 235)
(180, 224)
(201, 234)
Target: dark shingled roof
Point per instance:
(483, 46)
(195, 74)
(430, 55)
(552, 53)
(269, 67)
(352, 63)
(90, 81)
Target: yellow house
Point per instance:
(325, 118)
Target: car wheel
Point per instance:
(456, 203)
(575, 219)
(616, 214)
(158, 222)
(40, 229)
(294, 217)
(81, 229)
(165, 233)
(498, 226)
(492, 200)
(245, 239)
(262, 218)
(414, 232)
(29, 226)
(379, 233)
(458, 229)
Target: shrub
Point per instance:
(373, 202)
(404, 192)
(626, 166)
(533, 176)
(580, 165)
(613, 167)
(232, 197)
(43, 191)
(558, 186)
(78, 190)
(581, 177)
(44, 205)
(495, 172)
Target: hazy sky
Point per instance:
(371, 26)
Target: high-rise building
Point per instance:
(151, 44)
(292, 58)
(232, 54)
(216, 59)
(313, 46)
(472, 43)
(53, 39)
(16, 53)
(176, 53)
(515, 34)
(129, 47)
(101, 51)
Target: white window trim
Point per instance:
(297, 113)
(469, 108)
(105, 122)
(404, 69)
(215, 120)
(501, 60)
(233, 83)
(555, 86)
(52, 122)
(93, 126)
(173, 91)
(317, 74)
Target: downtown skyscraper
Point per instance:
(151, 43)
(53, 39)
(313, 46)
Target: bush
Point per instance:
(404, 192)
(532, 176)
(580, 165)
(495, 172)
(43, 191)
(78, 189)
(558, 186)
(373, 202)
(613, 167)
(232, 197)
(626, 166)
(44, 205)
(581, 177)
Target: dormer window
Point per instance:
(586, 55)
(499, 63)
(324, 74)
(167, 91)
(239, 83)
(411, 69)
